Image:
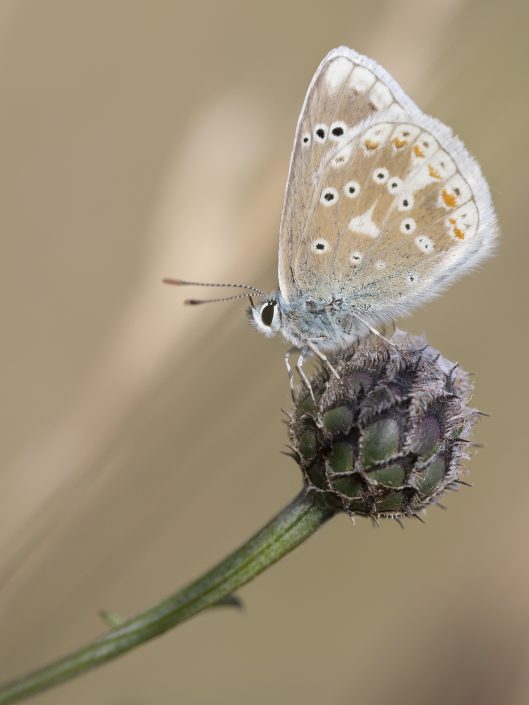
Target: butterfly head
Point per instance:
(265, 316)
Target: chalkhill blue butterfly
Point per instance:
(384, 207)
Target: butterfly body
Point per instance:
(384, 207)
(331, 325)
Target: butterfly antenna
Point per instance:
(196, 302)
(181, 282)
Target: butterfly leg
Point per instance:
(289, 369)
(301, 372)
(323, 358)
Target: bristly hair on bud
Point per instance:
(388, 438)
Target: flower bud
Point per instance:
(388, 437)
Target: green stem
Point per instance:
(288, 529)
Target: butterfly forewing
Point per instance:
(384, 205)
(346, 89)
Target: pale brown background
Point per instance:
(140, 440)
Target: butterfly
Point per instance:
(384, 207)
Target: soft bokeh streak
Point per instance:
(146, 334)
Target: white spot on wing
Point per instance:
(320, 246)
(424, 147)
(407, 226)
(443, 164)
(351, 189)
(364, 225)
(380, 96)
(455, 193)
(463, 223)
(376, 135)
(342, 156)
(329, 196)
(405, 202)
(437, 169)
(380, 264)
(380, 175)
(394, 184)
(404, 135)
(337, 131)
(362, 79)
(422, 178)
(336, 73)
(424, 243)
(397, 112)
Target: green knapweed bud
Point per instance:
(387, 438)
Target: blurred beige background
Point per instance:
(141, 439)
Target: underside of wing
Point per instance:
(346, 89)
(384, 206)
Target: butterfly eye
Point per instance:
(394, 184)
(267, 313)
(380, 176)
(320, 133)
(351, 189)
(407, 226)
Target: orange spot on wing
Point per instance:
(399, 142)
(371, 145)
(418, 151)
(449, 198)
(433, 172)
(457, 231)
